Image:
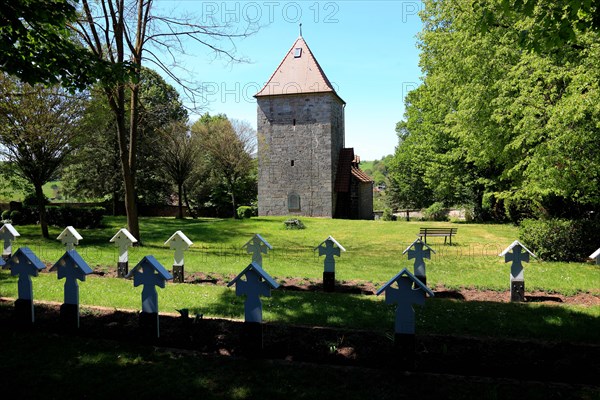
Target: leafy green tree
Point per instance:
(96, 170)
(228, 146)
(494, 119)
(37, 47)
(178, 158)
(134, 31)
(39, 128)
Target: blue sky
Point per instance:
(367, 49)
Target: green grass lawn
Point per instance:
(374, 253)
(50, 191)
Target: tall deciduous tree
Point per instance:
(96, 170)
(38, 130)
(178, 158)
(229, 146)
(133, 31)
(494, 118)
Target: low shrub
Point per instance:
(294, 224)
(6, 215)
(78, 217)
(436, 212)
(16, 217)
(560, 239)
(31, 200)
(388, 215)
(247, 212)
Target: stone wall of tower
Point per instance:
(299, 141)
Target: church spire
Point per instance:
(298, 72)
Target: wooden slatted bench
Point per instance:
(445, 232)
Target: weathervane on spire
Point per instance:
(300, 29)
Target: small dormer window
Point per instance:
(297, 52)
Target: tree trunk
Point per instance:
(187, 204)
(179, 201)
(115, 203)
(233, 202)
(128, 174)
(41, 203)
(130, 203)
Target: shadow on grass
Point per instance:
(75, 368)
(448, 315)
(510, 320)
(449, 294)
(309, 308)
(538, 299)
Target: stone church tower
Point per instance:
(300, 140)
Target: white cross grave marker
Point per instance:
(8, 234)
(70, 238)
(123, 239)
(180, 243)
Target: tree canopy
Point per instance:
(37, 47)
(501, 119)
(226, 146)
(39, 128)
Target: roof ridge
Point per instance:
(304, 75)
(279, 66)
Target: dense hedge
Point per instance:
(561, 239)
(247, 212)
(80, 217)
(436, 212)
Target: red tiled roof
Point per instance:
(361, 175)
(348, 167)
(294, 75)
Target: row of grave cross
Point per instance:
(404, 290)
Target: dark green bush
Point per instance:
(16, 217)
(247, 212)
(388, 215)
(31, 200)
(62, 216)
(436, 212)
(6, 214)
(560, 239)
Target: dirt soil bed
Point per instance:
(368, 288)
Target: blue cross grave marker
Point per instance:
(257, 246)
(123, 239)
(329, 248)
(253, 282)
(518, 256)
(419, 251)
(409, 291)
(149, 273)
(180, 243)
(24, 264)
(72, 267)
(8, 234)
